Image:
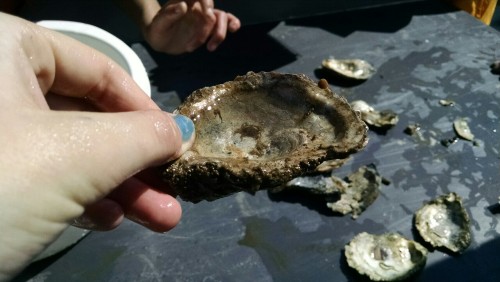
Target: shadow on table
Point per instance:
(479, 264)
(37, 267)
(250, 49)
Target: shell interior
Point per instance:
(443, 222)
(260, 131)
(386, 257)
(350, 68)
(462, 129)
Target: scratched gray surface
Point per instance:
(423, 53)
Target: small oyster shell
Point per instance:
(443, 222)
(387, 257)
(495, 67)
(331, 165)
(462, 129)
(372, 117)
(354, 195)
(447, 102)
(260, 131)
(363, 188)
(413, 130)
(350, 68)
(319, 184)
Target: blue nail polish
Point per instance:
(186, 126)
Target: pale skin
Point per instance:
(181, 26)
(59, 163)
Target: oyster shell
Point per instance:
(495, 67)
(447, 102)
(350, 68)
(363, 188)
(386, 257)
(260, 131)
(352, 195)
(462, 129)
(443, 222)
(372, 117)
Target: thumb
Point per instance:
(99, 151)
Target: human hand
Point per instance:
(183, 26)
(58, 163)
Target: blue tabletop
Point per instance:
(423, 53)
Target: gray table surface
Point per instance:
(423, 52)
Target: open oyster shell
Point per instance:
(350, 68)
(443, 222)
(386, 257)
(260, 131)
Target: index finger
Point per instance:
(83, 72)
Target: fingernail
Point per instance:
(186, 126)
(211, 47)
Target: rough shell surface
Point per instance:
(363, 187)
(352, 195)
(443, 222)
(387, 257)
(350, 68)
(260, 131)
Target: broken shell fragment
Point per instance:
(372, 117)
(443, 222)
(362, 190)
(447, 102)
(350, 68)
(260, 131)
(386, 257)
(413, 130)
(352, 195)
(319, 184)
(331, 165)
(495, 67)
(462, 129)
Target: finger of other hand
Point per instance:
(171, 13)
(234, 23)
(219, 31)
(207, 6)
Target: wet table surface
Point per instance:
(423, 53)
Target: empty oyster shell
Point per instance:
(350, 68)
(363, 188)
(372, 117)
(387, 257)
(447, 102)
(462, 129)
(260, 131)
(443, 222)
(352, 195)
